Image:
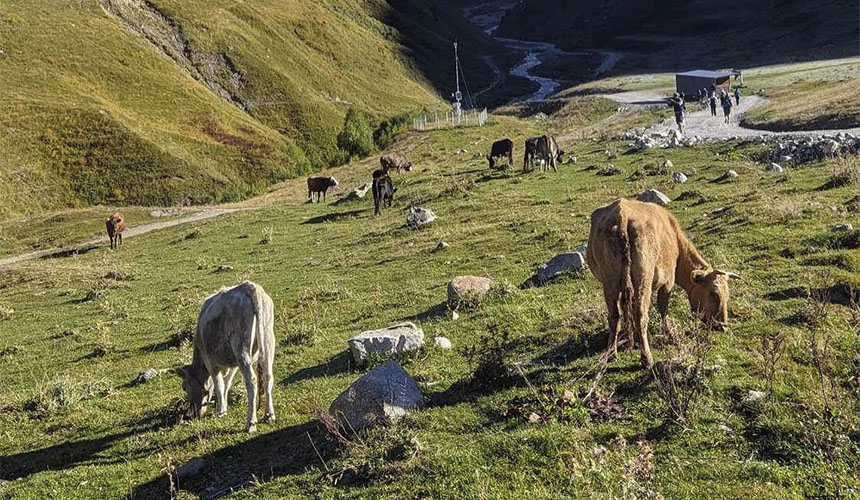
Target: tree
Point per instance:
(356, 138)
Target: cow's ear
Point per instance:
(699, 276)
(729, 274)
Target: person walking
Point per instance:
(678, 106)
(713, 102)
(738, 96)
(727, 106)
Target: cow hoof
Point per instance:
(269, 418)
(221, 414)
(250, 429)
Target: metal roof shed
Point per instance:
(691, 82)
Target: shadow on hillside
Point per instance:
(69, 252)
(583, 345)
(840, 293)
(494, 177)
(434, 312)
(333, 217)
(264, 457)
(340, 363)
(88, 451)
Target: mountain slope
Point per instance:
(167, 101)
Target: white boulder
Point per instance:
(380, 397)
(654, 196)
(394, 340)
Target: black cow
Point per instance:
(531, 147)
(501, 149)
(383, 190)
(319, 186)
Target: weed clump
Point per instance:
(63, 394)
(848, 176)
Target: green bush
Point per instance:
(356, 138)
(389, 129)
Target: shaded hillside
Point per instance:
(169, 101)
(671, 33)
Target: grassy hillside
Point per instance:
(166, 102)
(77, 330)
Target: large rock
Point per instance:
(775, 167)
(654, 196)
(559, 265)
(396, 339)
(679, 177)
(380, 397)
(419, 217)
(190, 468)
(468, 290)
(357, 193)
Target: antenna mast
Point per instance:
(458, 96)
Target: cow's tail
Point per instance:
(627, 291)
(260, 321)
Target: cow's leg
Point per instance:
(220, 395)
(250, 376)
(641, 305)
(663, 294)
(265, 380)
(120, 238)
(231, 372)
(553, 165)
(610, 295)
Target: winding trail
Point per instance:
(208, 213)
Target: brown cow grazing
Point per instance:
(548, 153)
(383, 190)
(396, 162)
(115, 226)
(501, 149)
(635, 247)
(319, 186)
(530, 153)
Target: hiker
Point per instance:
(727, 106)
(713, 101)
(677, 103)
(738, 96)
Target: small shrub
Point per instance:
(63, 394)
(771, 351)
(547, 404)
(196, 233)
(680, 378)
(266, 235)
(848, 176)
(356, 137)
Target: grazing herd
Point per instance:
(634, 249)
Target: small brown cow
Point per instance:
(319, 186)
(115, 226)
(395, 162)
(635, 247)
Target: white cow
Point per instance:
(235, 329)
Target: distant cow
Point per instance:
(530, 151)
(635, 247)
(395, 162)
(319, 186)
(501, 149)
(115, 226)
(383, 190)
(235, 329)
(548, 152)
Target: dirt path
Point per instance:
(130, 232)
(705, 126)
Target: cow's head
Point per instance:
(709, 296)
(408, 166)
(333, 182)
(197, 387)
(559, 158)
(491, 160)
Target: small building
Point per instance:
(691, 82)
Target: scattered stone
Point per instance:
(419, 217)
(455, 315)
(534, 418)
(477, 156)
(146, 376)
(725, 428)
(840, 228)
(380, 397)
(462, 151)
(785, 158)
(559, 265)
(163, 212)
(441, 246)
(540, 116)
(753, 397)
(654, 196)
(691, 172)
(442, 343)
(357, 193)
(468, 290)
(190, 468)
(679, 177)
(391, 341)
(668, 164)
(571, 159)
(775, 167)
(731, 174)
(223, 268)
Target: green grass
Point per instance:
(74, 337)
(96, 113)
